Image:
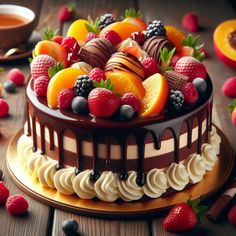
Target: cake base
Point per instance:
(211, 182)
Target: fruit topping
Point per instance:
(65, 98)
(51, 34)
(191, 67)
(97, 74)
(90, 36)
(200, 85)
(41, 86)
(175, 80)
(9, 86)
(156, 87)
(103, 102)
(174, 60)
(70, 227)
(82, 66)
(4, 193)
(126, 112)
(17, 205)
(112, 36)
(139, 37)
(186, 51)
(54, 69)
(156, 28)
(97, 52)
(149, 66)
(134, 50)
(83, 86)
(66, 12)
(79, 105)
(175, 101)
(57, 39)
(229, 87)
(190, 22)
(132, 100)
(70, 44)
(190, 93)
(233, 112)
(41, 64)
(64, 79)
(106, 20)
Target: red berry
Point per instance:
(229, 87)
(103, 102)
(233, 115)
(66, 13)
(232, 215)
(132, 100)
(4, 193)
(41, 86)
(149, 66)
(191, 67)
(16, 76)
(41, 64)
(17, 205)
(57, 39)
(112, 36)
(70, 44)
(174, 60)
(4, 108)
(190, 93)
(90, 36)
(190, 22)
(203, 50)
(97, 74)
(65, 98)
(139, 37)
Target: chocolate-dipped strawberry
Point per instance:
(97, 52)
(155, 44)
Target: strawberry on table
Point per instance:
(66, 12)
(229, 87)
(184, 216)
(190, 22)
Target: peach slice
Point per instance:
(156, 87)
(133, 50)
(224, 39)
(64, 79)
(78, 30)
(52, 49)
(124, 29)
(127, 83)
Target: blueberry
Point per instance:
(200, 85)
(70, 227)
(126, 112)
(79, 105)
(9, 86)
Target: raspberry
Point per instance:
(149, 66)
(97, 74)
(190, 93)
(17, 205)
(70, 44)
(139, 37)
(4, 193)
(132, 100)
(112, 36)
(229, 87)
(16, 76)
(174, 60)
(57, 39)
(65, 98)
(41, 86)
(90, 36)
(190, 22)
(4, 108)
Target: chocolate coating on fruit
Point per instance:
(97, 52)
(124, 62)
(155, 44)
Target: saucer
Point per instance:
(26, 49)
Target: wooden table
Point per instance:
(45, 220)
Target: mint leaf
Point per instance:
(53, 70)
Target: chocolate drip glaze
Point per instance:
(42, 137)
(93, 129)
(28, 119)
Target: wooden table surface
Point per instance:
(45, 220)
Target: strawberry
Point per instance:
(41, 64)
(16, 76)
(112, 36)
(52, 35)
(233, 112)
(186, 51)
(90, 36)
(191, 67)
(229, 87)
(57, 39)
(4, 193)
(17, 205)
(4, 108)
(232, 215)
(103, 102)
(183, 216)
(190, 22)
(66, 13)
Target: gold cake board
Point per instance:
(211, 182)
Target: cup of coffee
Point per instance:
(16, 25)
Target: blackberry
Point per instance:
(156, 28)
(176, 100)
(83, 86)
(106, 20)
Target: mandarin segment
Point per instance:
(156, 87)
(64, 79)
